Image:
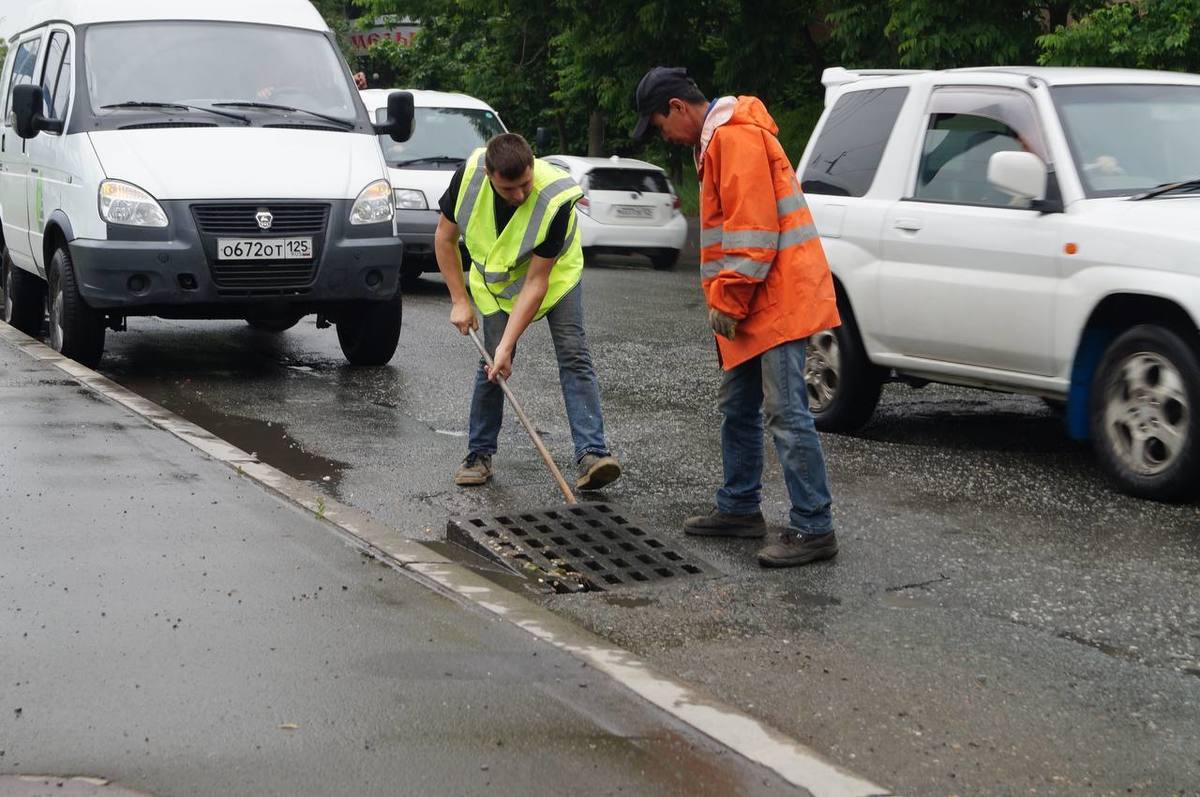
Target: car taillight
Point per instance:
(675, 201)
(585, 205)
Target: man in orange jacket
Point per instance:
(768, 288)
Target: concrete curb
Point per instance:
(724, 724)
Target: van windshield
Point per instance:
(191, 63)
(442, 137)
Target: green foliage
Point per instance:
(1150, 34)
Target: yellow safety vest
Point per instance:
(499, 263)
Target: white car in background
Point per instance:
(628, 207)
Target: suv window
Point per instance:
(847, 154)
(632, 180)
(23, 69)
(967, 127)
(56, 74)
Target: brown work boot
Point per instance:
(792, 548)
(721, 524)
(475, 470)
(596, 471)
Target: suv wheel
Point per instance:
(76, 330)
(1144, 423)
(843, 386)
(24, 296)
(369, 334)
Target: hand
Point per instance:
(462, 316)
(721, 324)
(360, 80)
(501, 364)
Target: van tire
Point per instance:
(856, 382)
(76, 330)
(370, 333)
(24, 296)
(1147, 380)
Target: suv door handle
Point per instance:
(907, 225)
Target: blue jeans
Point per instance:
(581, 392)
(773, 383)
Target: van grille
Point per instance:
(240, 219)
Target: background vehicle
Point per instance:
(195, 160)
(448, 127)
(1003, 228)
(628, 207)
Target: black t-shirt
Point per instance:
(556, 236)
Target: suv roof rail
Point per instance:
(835, 77)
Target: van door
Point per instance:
(14, 160)
(48, 171)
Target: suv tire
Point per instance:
(76, 330)
(1145, 413)
(370, 333)
(24, 296)
(843, 385)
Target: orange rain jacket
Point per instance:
(761, 261)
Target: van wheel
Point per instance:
(24, 296)
(1144, 401)
(76, 330)
(664, 259)
(369, 333)
(843, 385)
(280, 324)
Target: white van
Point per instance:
(193, 159)
(448, 127)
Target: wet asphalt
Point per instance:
(999, 620)
(174, 627)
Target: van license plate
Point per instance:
(264, 249)
(633, 212)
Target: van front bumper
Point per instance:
(175, 270)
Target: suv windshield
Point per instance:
(442, 137)
(1126, 139)
(200, 63)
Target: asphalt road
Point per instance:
(999, 620)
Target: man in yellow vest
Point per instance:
(517, 217)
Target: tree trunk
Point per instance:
(596, 134)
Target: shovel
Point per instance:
(575, 546)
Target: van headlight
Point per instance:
(122, 203)
(411, 199)
(374, 204)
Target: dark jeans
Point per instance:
(773, 382)
(581, 393)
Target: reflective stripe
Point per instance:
(494, 276)
(514, 289)
(797, 235)
(753, 269)
(710, 269)
(710, 236)
(474, 189)
(790, 204)
(751, 239)
(570, 236)
(545, 197)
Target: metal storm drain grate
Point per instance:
(576, 547)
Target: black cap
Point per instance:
(654, 90)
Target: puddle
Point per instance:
(811, 599)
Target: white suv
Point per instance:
(1018, 229)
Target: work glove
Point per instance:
(721, 324)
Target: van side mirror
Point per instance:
(400, 118)
(1020, 174)
(28, 102)
(543, 138)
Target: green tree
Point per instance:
(1148, 34)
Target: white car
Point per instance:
(1019, 229)
(448, 127)
(628, 207)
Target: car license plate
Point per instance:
(264, 249)
(633, 212)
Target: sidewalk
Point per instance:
(174, 627)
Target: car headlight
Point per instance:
(374, 204)
(122, 203)
(411, 199)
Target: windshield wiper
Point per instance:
(346, 123)
(428, 159)
(174, 106)
(1166, 188)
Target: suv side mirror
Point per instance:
(543, 138)
(27, 104)
(400, 118)
(1021, 174)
